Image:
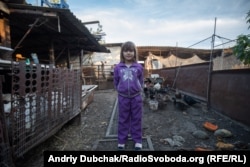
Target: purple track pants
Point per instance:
(130, 119)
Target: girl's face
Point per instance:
(128, 55)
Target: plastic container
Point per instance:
(153, 105)
(209, 126)
(35, 58)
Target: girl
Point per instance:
(128, 82)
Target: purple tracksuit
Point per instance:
(128, 82)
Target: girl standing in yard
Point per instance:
(128, 82)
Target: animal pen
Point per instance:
(37, 100)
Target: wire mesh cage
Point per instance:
(42, 100)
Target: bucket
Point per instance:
(153, 105)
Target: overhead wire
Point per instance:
(200, 42)
(222, 37)
(226, 42)
(229, 40)
(233, 40)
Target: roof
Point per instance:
(184, 53)
(37, 29)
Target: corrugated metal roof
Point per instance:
(36, 29)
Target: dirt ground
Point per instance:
(167, 127)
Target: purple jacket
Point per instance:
(128, 81)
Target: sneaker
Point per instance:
(121, 147)
(138, 146)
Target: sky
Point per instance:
(182, 23)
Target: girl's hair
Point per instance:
(128, 46)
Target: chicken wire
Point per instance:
(5, 149)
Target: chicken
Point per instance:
(157, 86)
(189, 100)
(177, 94)
(179, 105)
(7, 102)
(151, 93)
(7, 107)
(151, 96)
(163, 90)
(166, 97)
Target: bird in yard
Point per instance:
(177, 94)
(151, 93)
(179, 105)
(189, 100)
(166, 97)
(157, 86)
(152, 96)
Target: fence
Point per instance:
(227, 94)
(98, 75)
(41, 101)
